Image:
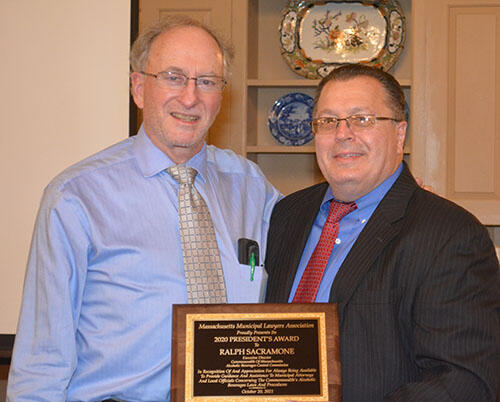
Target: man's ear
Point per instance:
(137, 84)
(401, 133)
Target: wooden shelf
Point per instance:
(280, 149)
(404, 82)
(266, 78)
(282, 83)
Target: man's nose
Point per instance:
(188, 95)
(344, 131)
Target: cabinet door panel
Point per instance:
(456, 102)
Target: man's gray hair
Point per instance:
(140, 49)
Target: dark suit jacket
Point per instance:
(418, 296)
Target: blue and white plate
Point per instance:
(290, 119)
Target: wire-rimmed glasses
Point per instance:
(176, 80)
(357, 123)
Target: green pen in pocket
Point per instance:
(252, 265)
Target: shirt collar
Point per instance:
(373, 197)
(152, 160)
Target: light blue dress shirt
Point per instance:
(106, 265)
(350, 227)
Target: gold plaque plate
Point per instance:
(255, 352)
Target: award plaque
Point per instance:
(255, 352)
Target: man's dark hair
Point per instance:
(394, 92)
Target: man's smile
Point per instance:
(184, 117)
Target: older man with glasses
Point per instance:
(151, 221)
(415, 276)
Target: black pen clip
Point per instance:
(247, 247)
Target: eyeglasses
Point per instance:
(357, 123)
(173, 80)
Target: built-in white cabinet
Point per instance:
(449, 69)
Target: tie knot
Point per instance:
(340, 209)
(182, 174)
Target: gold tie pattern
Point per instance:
(202, 265)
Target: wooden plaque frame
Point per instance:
(185, 316)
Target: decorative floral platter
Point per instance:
(317, 36)
(290, 119)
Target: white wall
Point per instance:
(64, 95)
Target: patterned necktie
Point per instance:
(202, 266)
(311, 278)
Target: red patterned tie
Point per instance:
(309, 283)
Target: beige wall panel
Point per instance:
(455, 122)
(65, 96)
(429, 84)
(472, 102)
(213, 12)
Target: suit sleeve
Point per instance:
(456, 331)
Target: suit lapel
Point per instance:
(382, 227)
(295, 234)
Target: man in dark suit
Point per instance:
(415, 276)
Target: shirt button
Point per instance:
(337, 241)
(363, 221)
